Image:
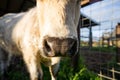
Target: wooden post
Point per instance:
(90, 37)
(118, 42)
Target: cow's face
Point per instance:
(58, 20)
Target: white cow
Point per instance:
(43, 34)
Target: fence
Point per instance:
(100, 43)
(118, 42)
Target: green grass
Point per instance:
(104, 49)
(66, 72)
(17, 75)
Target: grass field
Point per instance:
(18, 72)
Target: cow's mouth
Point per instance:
(59, 47)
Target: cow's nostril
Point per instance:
(60, 46)
(47, 47)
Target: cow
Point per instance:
(43, 34)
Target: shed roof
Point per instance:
(88, 2)
(15, 6)
(87, 21)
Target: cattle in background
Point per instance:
(43, 34)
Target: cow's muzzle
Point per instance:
(59, 47)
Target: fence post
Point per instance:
(118, 43)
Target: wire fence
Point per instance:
(100, 43)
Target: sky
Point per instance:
(106, 13)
